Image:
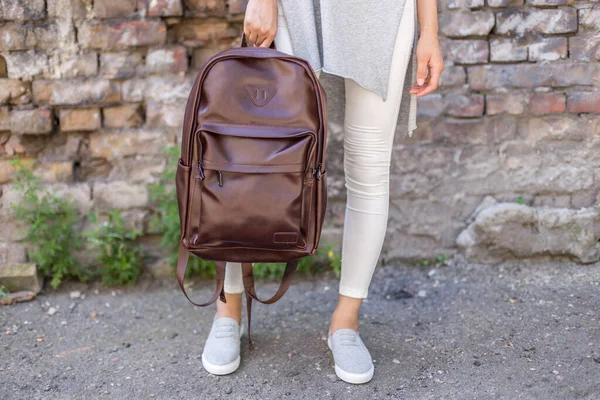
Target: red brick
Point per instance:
(165, 115)
(464, 105)
(548, 49)
(113, 8)
(61, 171)
(196, 33)
(23, 10)
(589, 19)
(584, 102)
(551, 21)
(4, 119)
(453, 76)
(79, 119)
(584, 47)
(117, 145)
(123, 116)
(49, 35)
(202, 54)
(531, 75)
(430, 106)
(205, 7)
(505, 3)
(544, 3)
(237, 6)
(27, 65)
(75, 91)
(547, 103)
(168, 60)
(506, 103)
(161, 89)
(14, 92)
(76, 65)
(36, 121)
(458, 4)
(120, 65)
(508, 49)
(466, 23)
(160, 8)
(114, 35)
(68, 9)
(465, 51)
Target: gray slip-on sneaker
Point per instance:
(353, 362)
(221, 354)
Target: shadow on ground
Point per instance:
(513, 331)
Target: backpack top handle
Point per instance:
(244, 42)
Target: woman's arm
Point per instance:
(260, 22)
(429, 55)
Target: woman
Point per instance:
(371, 44)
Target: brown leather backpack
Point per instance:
(251, 183)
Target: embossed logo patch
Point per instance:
(260, 95)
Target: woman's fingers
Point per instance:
(260, 22)
(432, 80)
(251, 37)
(268, 37)
(422, 70)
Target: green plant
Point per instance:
(166, 217)
(440, 260)
(324, 259)
(3, 293)
(120, 256)
(520, 200)
(49, 227)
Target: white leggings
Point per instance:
(369, 127)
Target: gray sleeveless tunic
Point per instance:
(354, 39)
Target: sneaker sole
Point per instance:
(221, 369)
(351, 377)
(216, 369)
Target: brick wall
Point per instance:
(92, 91)
(505, 162)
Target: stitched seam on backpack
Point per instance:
(310, 206)
(231, 163)
(191, 204)
(254, 125)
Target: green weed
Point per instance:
(120, 257)
(50, 223)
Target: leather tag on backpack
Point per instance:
(285, 237)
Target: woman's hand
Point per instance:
(429, 57)
(260, 22)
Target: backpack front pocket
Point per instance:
(250, 186)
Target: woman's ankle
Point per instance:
(340, 321)
(231, 309)
(345, 314)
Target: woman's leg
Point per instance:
(369, 128)
(234, 287)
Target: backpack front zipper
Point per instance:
(220, 178)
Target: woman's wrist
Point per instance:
(428, 31)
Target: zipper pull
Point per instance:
(220, 178)
(317, 172)
(200, 171)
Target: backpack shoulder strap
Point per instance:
(219, 289)
(248, 277)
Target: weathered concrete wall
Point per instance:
(94, 90)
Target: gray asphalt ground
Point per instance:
(512, 331)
